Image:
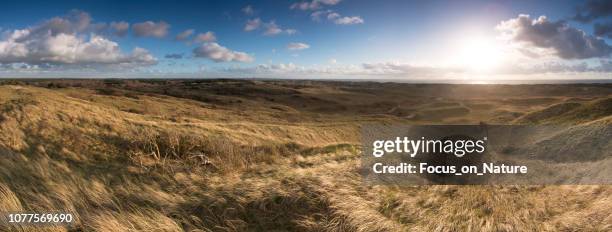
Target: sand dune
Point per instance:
(233, 155)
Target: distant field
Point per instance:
(236, 155)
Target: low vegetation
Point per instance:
(227, 155)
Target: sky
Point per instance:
(316, 39)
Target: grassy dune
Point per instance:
(269, 156)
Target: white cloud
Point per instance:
(290, 31)
(404, 68)
(141, 56)
(19, 67)
(313, 5)
(74, 22)
(297, 46)
(266, 69)
(563, 40)
(184, 35)
(520, 69)
(151, 29)
(209, 36)
(348, 20)
(60, 42)
(316, 16)
(218, 53)
(252, 24)
(120, 28)
(390, 69)
(269, 29)
(67, 49)
(272, 29)
(604, 66)
(248, 10)
(335, 17)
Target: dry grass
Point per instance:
(229, 161)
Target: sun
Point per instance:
(478, 53)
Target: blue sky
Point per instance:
(306, 39)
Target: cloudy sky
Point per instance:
(308, 39)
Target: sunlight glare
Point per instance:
(478, 54)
